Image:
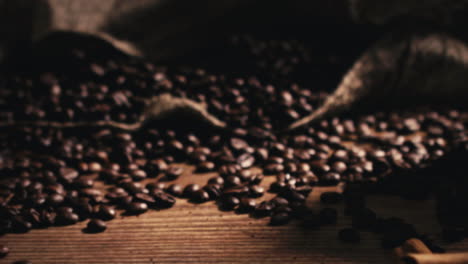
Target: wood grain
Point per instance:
(190, 233)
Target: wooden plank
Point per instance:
(201, 233)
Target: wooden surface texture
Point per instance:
(200, 233)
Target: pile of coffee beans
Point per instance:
(60, 176)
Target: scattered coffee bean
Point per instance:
(4, 251)
(136, 208)
(96, 226)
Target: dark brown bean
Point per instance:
(96, 226)
(136, 208)
(4, 251)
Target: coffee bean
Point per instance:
(190, 189)
(246, 205)
(264, 209)
(106, 212)
(330, 179)
(256, 191)
(349, 235)
(280, 219)
(206, 166)
(246, 160)
(213, 190)
(138, 175)
(216, 180)
(175, 189)
(229, 203)
(96, 226)
(173, 173)
(238, 144)
(200, 196)
(136, 208)
(4, 251)
(163, 200)
(331, 197)
(232, 181)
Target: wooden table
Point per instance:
(200, 233)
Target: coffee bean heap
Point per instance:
(60, 176)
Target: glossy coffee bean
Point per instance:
(96, 226)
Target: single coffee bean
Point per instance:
(349, 235)
(229, 203)
(246, 205)
(216, 180)
(136, 208)
(4, 251)
(280, 219)
(200, 196)
(331, 197)
(264, 209)
(232, 181)
(96, 226)
(206, 166)
(213, 190)
(163, 200)
(175, 189)
(256, 191)
(106, 212)
(173, 173)
(190, 189)
(138, 175)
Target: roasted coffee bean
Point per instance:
(216, 180)
(190, 189)
(256, 191)
(136, 208)
(4, 251)
(349, 235)
(106, 212)
(238, 144)
(145, 198)
(232, 181)
(155, 185)
(246, 205)
(66, 217)
(173, 173)
(264, 209)
(237, 191)
(206, 166)
(138, 175)
(163, 200)
(246, 160)
(280, 201)
(96, 226)
(175, 189)
(330, 179)
(273, 168)
(331, 197)
(328, 216)
(213, 190)
(200, 196)
(280, 219)
(229, 202)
